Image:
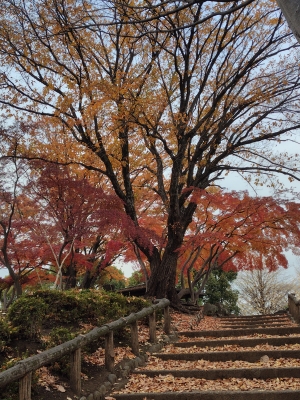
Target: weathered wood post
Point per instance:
(152, 327)
(167, 320)
(25, 387)
(109, 352)
(294, 307)
(75, 371)
(135, 339)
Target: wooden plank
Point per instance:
(135, 339)
(25, 387)
(109, 352)
(152, 328)
(75, 371)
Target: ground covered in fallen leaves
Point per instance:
(93, 375)
(169, 383)
(155, 363)
(228, 347)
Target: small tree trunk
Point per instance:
(86, 280)
(71, 276)
(18, 286)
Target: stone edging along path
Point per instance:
(119, 379)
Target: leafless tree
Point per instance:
(263, 292)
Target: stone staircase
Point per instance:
(255, 357)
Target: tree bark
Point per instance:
(71, 276)
(163, 277)
(17, 285)
(87, 280)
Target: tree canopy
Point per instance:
(162, 100)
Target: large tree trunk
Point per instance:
(163, 276)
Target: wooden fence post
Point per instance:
(152, 327)
(25, 387)
(135, 339)
(109, 352)
(294, 307)
(167, 320)
(75, 371)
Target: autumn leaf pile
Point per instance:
(186, 322)
(49, 381)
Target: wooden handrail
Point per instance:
(22, 371)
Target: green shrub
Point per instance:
(60, 335)
(52, 308)
(5, 332)
(27, 315)
(63, 306)
(135, 304)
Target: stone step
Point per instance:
(243, 331)
(214, 395)
(254, 320)
(238, 355)
(255, 326)
(249, 317)
(233, 331)
(251, 342)
(258, 322)
(239, 373)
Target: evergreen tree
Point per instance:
(218, 290)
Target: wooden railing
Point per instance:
(22, 371)
(294, 307)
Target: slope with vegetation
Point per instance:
(44, 319)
